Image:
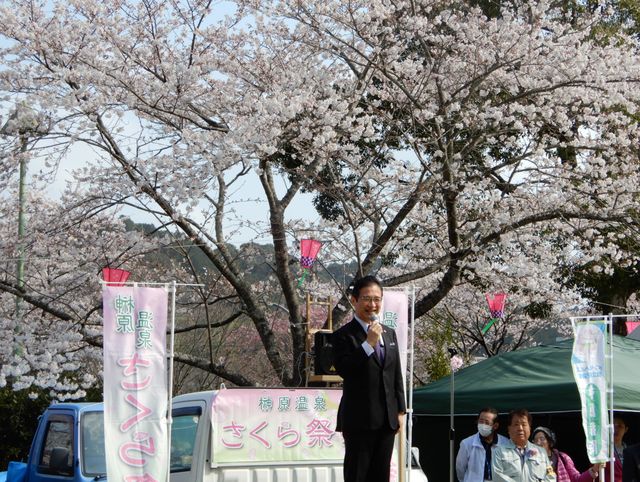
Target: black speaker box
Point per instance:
(323, 354)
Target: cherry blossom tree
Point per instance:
(51, 338)
(441, 146)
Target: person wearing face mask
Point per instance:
(562, 464)
(473, 463)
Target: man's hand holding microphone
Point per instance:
(375, 330)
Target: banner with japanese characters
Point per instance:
(135, 383)
(252, 426)
(395, 314)
(588, 363)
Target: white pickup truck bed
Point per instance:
(193, 442)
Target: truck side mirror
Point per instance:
(59, 461)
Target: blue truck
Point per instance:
(68, 445)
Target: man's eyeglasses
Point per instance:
(374, 299)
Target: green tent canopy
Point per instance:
(539, 379)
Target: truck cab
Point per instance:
(68, 444)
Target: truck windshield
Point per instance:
(92, 440)
(183, 439)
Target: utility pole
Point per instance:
(24, 122)
(21, 223)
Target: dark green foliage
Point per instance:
(538, 310)
(438, 360)
(608, 282)
(609, 292)
(141, 227)
(19, 422)
(20, 416)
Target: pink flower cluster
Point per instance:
(456, 363)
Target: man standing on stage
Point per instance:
(367, 357)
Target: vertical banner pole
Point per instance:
(170, 381)
(610, 389)
(402, 455)
(410, 384)
(451, 426)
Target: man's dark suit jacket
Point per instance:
(373, 395)
(631, 465)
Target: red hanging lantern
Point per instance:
(631, 326)
(309, 249)
(496, 303)
(115, 276)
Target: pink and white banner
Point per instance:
(395, 314)
(135, 383)
(252, 426)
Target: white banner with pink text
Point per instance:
(135, 383)
(253, 426)
(395, 315)
(273, 426)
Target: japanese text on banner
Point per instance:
(135, 387)
(588, 363)
(255, 425)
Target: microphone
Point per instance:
(374, 318)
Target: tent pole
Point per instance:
(172, 290)
(610, 387)
(409, 457)
(451, 427)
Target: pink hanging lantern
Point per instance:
(309, 249)
(631, 326)
(496, 304)
(115, 276)
(496, 307)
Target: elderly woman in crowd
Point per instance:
(562, 464)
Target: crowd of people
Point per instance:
(531, 454)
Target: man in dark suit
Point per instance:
(372, 408)
(631, 464)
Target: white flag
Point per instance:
(587, 361)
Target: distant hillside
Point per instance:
(253, 259)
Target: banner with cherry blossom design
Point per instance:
(135, 383)
(253, 426)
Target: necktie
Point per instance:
(379, 352)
